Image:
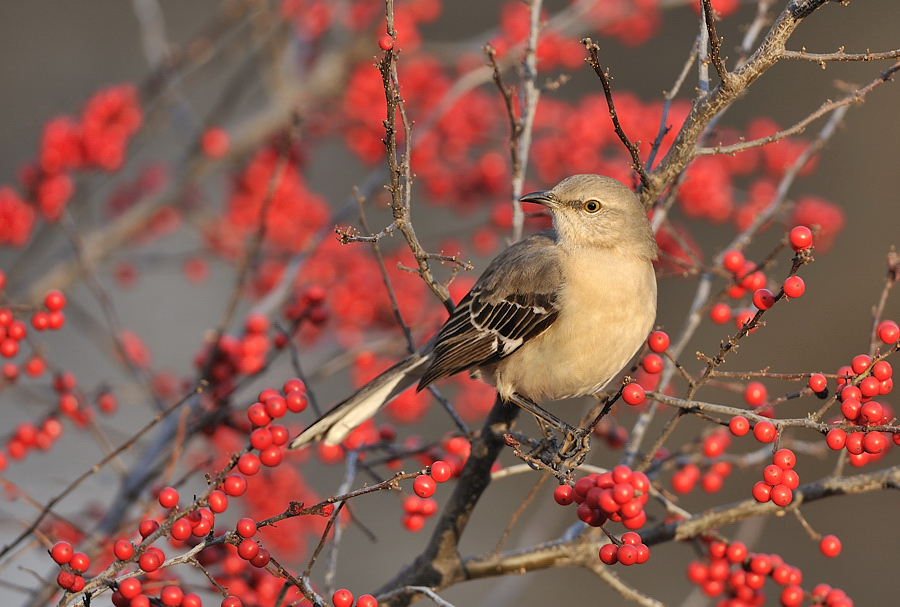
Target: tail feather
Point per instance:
(336, 424)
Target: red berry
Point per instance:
(62, 552)
(763, 299)
(792, 596)
(762, 491)
(171, 596)
(261, 559)
(246, 527)
(889, 332)
(874, 442)
(736, 552)
(871, 412)
(635, 522)
(276, 406)
(870, 387)
(280, 434)
(366, 600)
(836, 439)
(801, 238)
(271, 456)
(794, 286)
(54, 300)
(342, 598)
(40, 320)
(296, 401)
(248, 464)
(697, 572)
(627, 555)
(260, 438)
(386, 42)
(123, 550)
(65, 579)
(658, 341)
(632, 538)
(609, 554)
(850, 408)
(772, 474)
(761, 564)
(218, 501)
(215, 142)
(235, 485)
(830, 546)
(621, 474)
(860, 363)
(715, 444)
(564, 495)
(882, 370)
(231, 601)
(149, 561)
(755, 393)
(258, 415)
(148, 527)
(739, 425)
(441, 471)
(181, 530)
(424, 486)
(130, 587)
(191, 600)
(248, 548)
(818, 383)
(720, 313)
(652, 363)
(764, 432)
(784, 459)
(633, 394)
(855, 443)
(168, 497)
(791, 479)
(733, 260)
(781, 495)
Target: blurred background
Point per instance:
(56, 55)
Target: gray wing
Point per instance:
(514, 300)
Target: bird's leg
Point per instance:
(577, 440)
(607, 405)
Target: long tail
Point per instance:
(334, 426)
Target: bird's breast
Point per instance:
(607, 308)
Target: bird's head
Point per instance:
(597, 211)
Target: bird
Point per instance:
(556, 315)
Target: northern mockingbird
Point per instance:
(556, 315)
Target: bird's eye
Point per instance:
(591, 206)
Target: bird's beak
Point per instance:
(544, 197)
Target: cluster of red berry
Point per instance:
(779, 479)
(860, 383)
(747, 279)
(713, 472)
(420, 506)
(731, 570)
(618, 495)
(97, 140)
(187, 526)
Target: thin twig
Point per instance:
(715, 43)
(594, 61)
